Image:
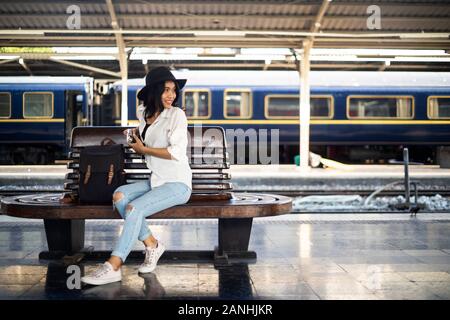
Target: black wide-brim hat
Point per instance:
(157, 75)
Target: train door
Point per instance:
(74, 112)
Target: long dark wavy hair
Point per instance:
(153, 103)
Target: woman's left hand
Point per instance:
(138, 146)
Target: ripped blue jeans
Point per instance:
(140, 201)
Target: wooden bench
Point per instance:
(212, 197)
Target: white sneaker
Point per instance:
(152, 256)
(102, 275)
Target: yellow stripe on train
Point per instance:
(316, 122)
(32, 120)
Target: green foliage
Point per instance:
(25, 50)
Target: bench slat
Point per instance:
(195, 176)
(205, 187)
(209, 158)
(136, 165)
(209, 136)
(219, 151)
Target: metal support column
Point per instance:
(123, 61)
(407, 183)
(304, 106)
(124, 103)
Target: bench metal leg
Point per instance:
(63, 237)
(234, 237)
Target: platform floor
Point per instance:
(300, 256)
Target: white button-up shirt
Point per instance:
(169, 131)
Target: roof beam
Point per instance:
(86, 67)
(225, 34)
(234, 21)
(259, 42)
(315, 27)
(8, 60)
(295, 43)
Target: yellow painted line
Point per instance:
(31, 120)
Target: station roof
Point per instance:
(255, 23)
(337, 24)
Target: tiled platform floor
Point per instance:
(318, 256)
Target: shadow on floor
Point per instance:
(62, 282)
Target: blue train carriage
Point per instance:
(360, 117)
(37, 115)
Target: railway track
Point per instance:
(296, 193)
(303, 193)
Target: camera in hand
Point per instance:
(130, 138)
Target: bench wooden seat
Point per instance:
(212, 198)
(242, 205)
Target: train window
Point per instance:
(197, 103)
(38, 105)
(287, 106)
(380, 107)
(439, 107)
(5, 105)
(237, 103)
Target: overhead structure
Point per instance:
(345, 24)
(246, 23)
(298, 26)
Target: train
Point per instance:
(356, 116)
(37, 115)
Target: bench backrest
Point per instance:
(206, 151)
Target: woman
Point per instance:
(163, 130)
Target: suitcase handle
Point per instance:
(110, 174)
(88, 174)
